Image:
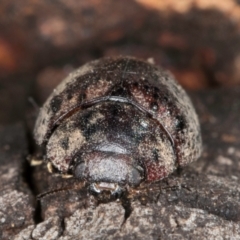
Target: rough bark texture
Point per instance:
(200, 202)
(16, 199)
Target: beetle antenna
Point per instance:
(147, 189)
(33, 103)
(50, 192)
(55, 191)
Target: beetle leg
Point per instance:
(126, 203)
(66, 175)
(51, 170)
(35, 162)
(50, 167)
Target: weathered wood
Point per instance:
(16, 199)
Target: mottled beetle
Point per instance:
(116, 123)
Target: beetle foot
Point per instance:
(126, 203)
(34, 161)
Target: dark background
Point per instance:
(42, 41)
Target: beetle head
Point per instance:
(108, 171)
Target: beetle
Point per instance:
(116, 123)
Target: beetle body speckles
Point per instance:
(118, 122)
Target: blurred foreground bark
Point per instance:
(197, 40)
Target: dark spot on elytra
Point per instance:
(135, 84)
(111, 114)
(155, 155)
(69, 92)
(89, 130)
(83, 123)
(146, 87)
(84, 118)
(180, 123)
(120, 91)
(114, 109)
(56, 103)
(155, 96)
(79, 86)
(64, 143)
(165, 99)
(155, 89)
